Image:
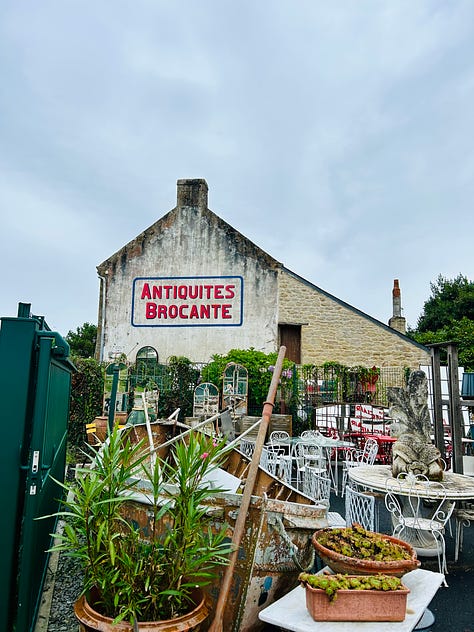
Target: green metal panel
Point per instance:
(35, 377)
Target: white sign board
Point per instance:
(187, 301)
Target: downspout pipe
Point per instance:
(102, 316)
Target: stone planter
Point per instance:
(92, 621)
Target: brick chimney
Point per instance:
(192, 193)
(397, 321)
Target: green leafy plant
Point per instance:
(137, 574)
(87, 390)
(258, 365)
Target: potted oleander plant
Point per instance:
(144, 577)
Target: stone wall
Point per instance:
(334, 331)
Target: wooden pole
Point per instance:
(455, 415)
(437, 402)
(216, 625)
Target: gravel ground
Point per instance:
(67, 588)
(62, 586)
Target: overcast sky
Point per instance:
(338, 136)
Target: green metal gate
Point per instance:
(35, 379)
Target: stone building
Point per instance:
(191, 285)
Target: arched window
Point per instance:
(147, 358)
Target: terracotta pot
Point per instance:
(343, 564)
(357, 605)
(91, 621)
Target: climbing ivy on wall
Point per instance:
(87, 389)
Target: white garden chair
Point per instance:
(360, 508)
(418, 519)
(305, 455)
(354, 457)
(276, 462)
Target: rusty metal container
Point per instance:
(274, 549)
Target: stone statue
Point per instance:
(413, 451)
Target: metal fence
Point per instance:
(303, 390)
(319, 386)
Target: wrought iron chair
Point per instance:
(421, 517)
(316, 485)
(354, 457)
(247, 447)
(282, 439)
(276, 462)
(463, 514)
(279, 435)
(305, 455)
(310, 434)
(360, 508)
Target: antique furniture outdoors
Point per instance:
(331, 446)
(307, 454)
(418, 519)
(464, 515)
(457, 487)
(379, 478)
(355, 458)
(360, 508)
(290, 612)
(206, 400)
(279, 435)
(277, 462)
(464, 511)
(247, 446)
(317, 485)
(385, 442)
(311, 434)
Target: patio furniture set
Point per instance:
(309, 461)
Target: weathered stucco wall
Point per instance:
(251, 291)
(189, 242)
(336, 332)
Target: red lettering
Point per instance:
(225, 310)
(182, 291)
(194, 312)
(215, 309)
(173, 311)
(150, 311)
(146, 291)
(193, 291)
(157, 291)
(205, 311)
(181, 311)
(208, 289)
(167, 289)
(229, 289)
(162, 312)
(218, 291)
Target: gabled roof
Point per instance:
(192, 195)
(375, 321)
